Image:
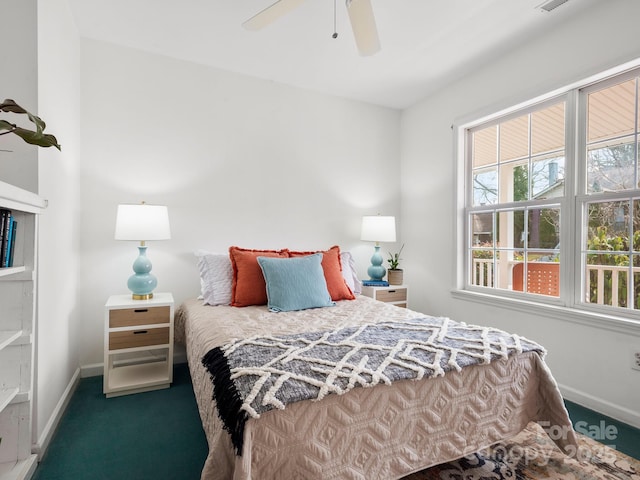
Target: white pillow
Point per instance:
(349, 272)
(216, 277)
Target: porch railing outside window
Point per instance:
(606, 285)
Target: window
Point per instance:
(552, 199)
(611, 201)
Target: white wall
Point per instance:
(591, 364)
(59, 104)
(18, 81)
(238, 161)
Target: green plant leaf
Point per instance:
(10, 106)
(394, 259)
(38, 137)
(35, 138)
(4, 125)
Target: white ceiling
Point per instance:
(426, 44)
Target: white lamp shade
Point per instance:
(142, 222)
(378, 228)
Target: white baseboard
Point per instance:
(40, 447)
(623, 414)
(92, 370)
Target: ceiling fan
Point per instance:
(363, 22)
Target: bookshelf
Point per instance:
(17, 335)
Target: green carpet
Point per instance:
(158, 435)
(152, 435)
(605, 429)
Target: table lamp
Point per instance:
(141, 223)
(377, 228)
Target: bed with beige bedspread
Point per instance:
(384, 432)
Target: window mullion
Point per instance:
(570, 250)
(636, 138)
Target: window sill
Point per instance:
(592, 319)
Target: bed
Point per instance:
(384, 432)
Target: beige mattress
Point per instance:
(384, 432)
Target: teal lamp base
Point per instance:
(142, 283)
(376, 271)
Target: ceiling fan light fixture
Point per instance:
(363, 24)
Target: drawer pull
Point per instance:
(141, 310)
(391, 291)
(139, 332)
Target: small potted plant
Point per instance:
(395, 274)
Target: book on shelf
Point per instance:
(5, 221)
(7, 237)
(375, 283)
(12, 243)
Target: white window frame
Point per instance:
(569, 305)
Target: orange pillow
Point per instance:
(248, 286)
(338, 288)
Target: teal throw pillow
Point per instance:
(295, 283)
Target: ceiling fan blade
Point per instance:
(363, 24)
(271, 14)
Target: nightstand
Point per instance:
(394, 294)
(138, 344)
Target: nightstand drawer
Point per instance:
(130, 317)
(138, 338)
(395, 295)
